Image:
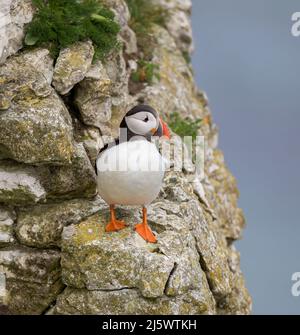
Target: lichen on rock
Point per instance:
(14, 15)
(72, 65)
(35, 126)
(32, 278)
(7, 218)
(19, 184)
(41, 226)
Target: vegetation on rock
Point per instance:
(187, 57)
(146, 72)
(184, 127)
(60, 23)
(143, 15)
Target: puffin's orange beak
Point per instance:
(166, 131)
(153, 131)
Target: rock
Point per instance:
(115, 67)
(175, 92)
(14, 15)
(222, 195)
(7, 218)
(41, 60)
(30, 298)
(178, 22)
(239, 301)
(41, 226)
(130, 41)
(187, 273)
(179, 27)
(91, 139)
(92, 96)
(127, 35)
(67, 182)
(121, 101)
(26, 185)
(183, 5)
(120, 8)
(102, 97)
(121, 104)
(96, 260)
(130, 302)
(72, 65)
(32, 278)
(213, 253)
(19, 184)
(35, 126)
(167, 215)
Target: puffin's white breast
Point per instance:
(130, 173)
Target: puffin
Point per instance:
(130, 170)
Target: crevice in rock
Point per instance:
(115, 289)
(68, 100)
(53, 303)
(170, 276)
(206, 207)
(230, 241)
(205, 269)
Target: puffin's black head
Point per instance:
(143, 120)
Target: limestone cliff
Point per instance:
(55, 257)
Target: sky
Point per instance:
(248, 62)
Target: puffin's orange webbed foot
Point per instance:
(143, 229)
(114, 224)
(145, 232)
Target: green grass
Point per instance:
(187, 57)
(144, 14)
(184, 127)
(146, 72)
(60, 23)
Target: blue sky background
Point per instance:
(249, 64)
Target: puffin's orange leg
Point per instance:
(144, 230)
(114, 224)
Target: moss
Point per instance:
(88, 231)
(184, 127)
(187, 57)
(60, 23)
(146, 72)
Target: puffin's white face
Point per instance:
(142, 123)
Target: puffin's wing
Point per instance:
(107, 146)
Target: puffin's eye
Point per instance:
(146, 119)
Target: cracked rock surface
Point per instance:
(55, 116)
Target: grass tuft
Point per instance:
(184, 127)
(60, 23)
